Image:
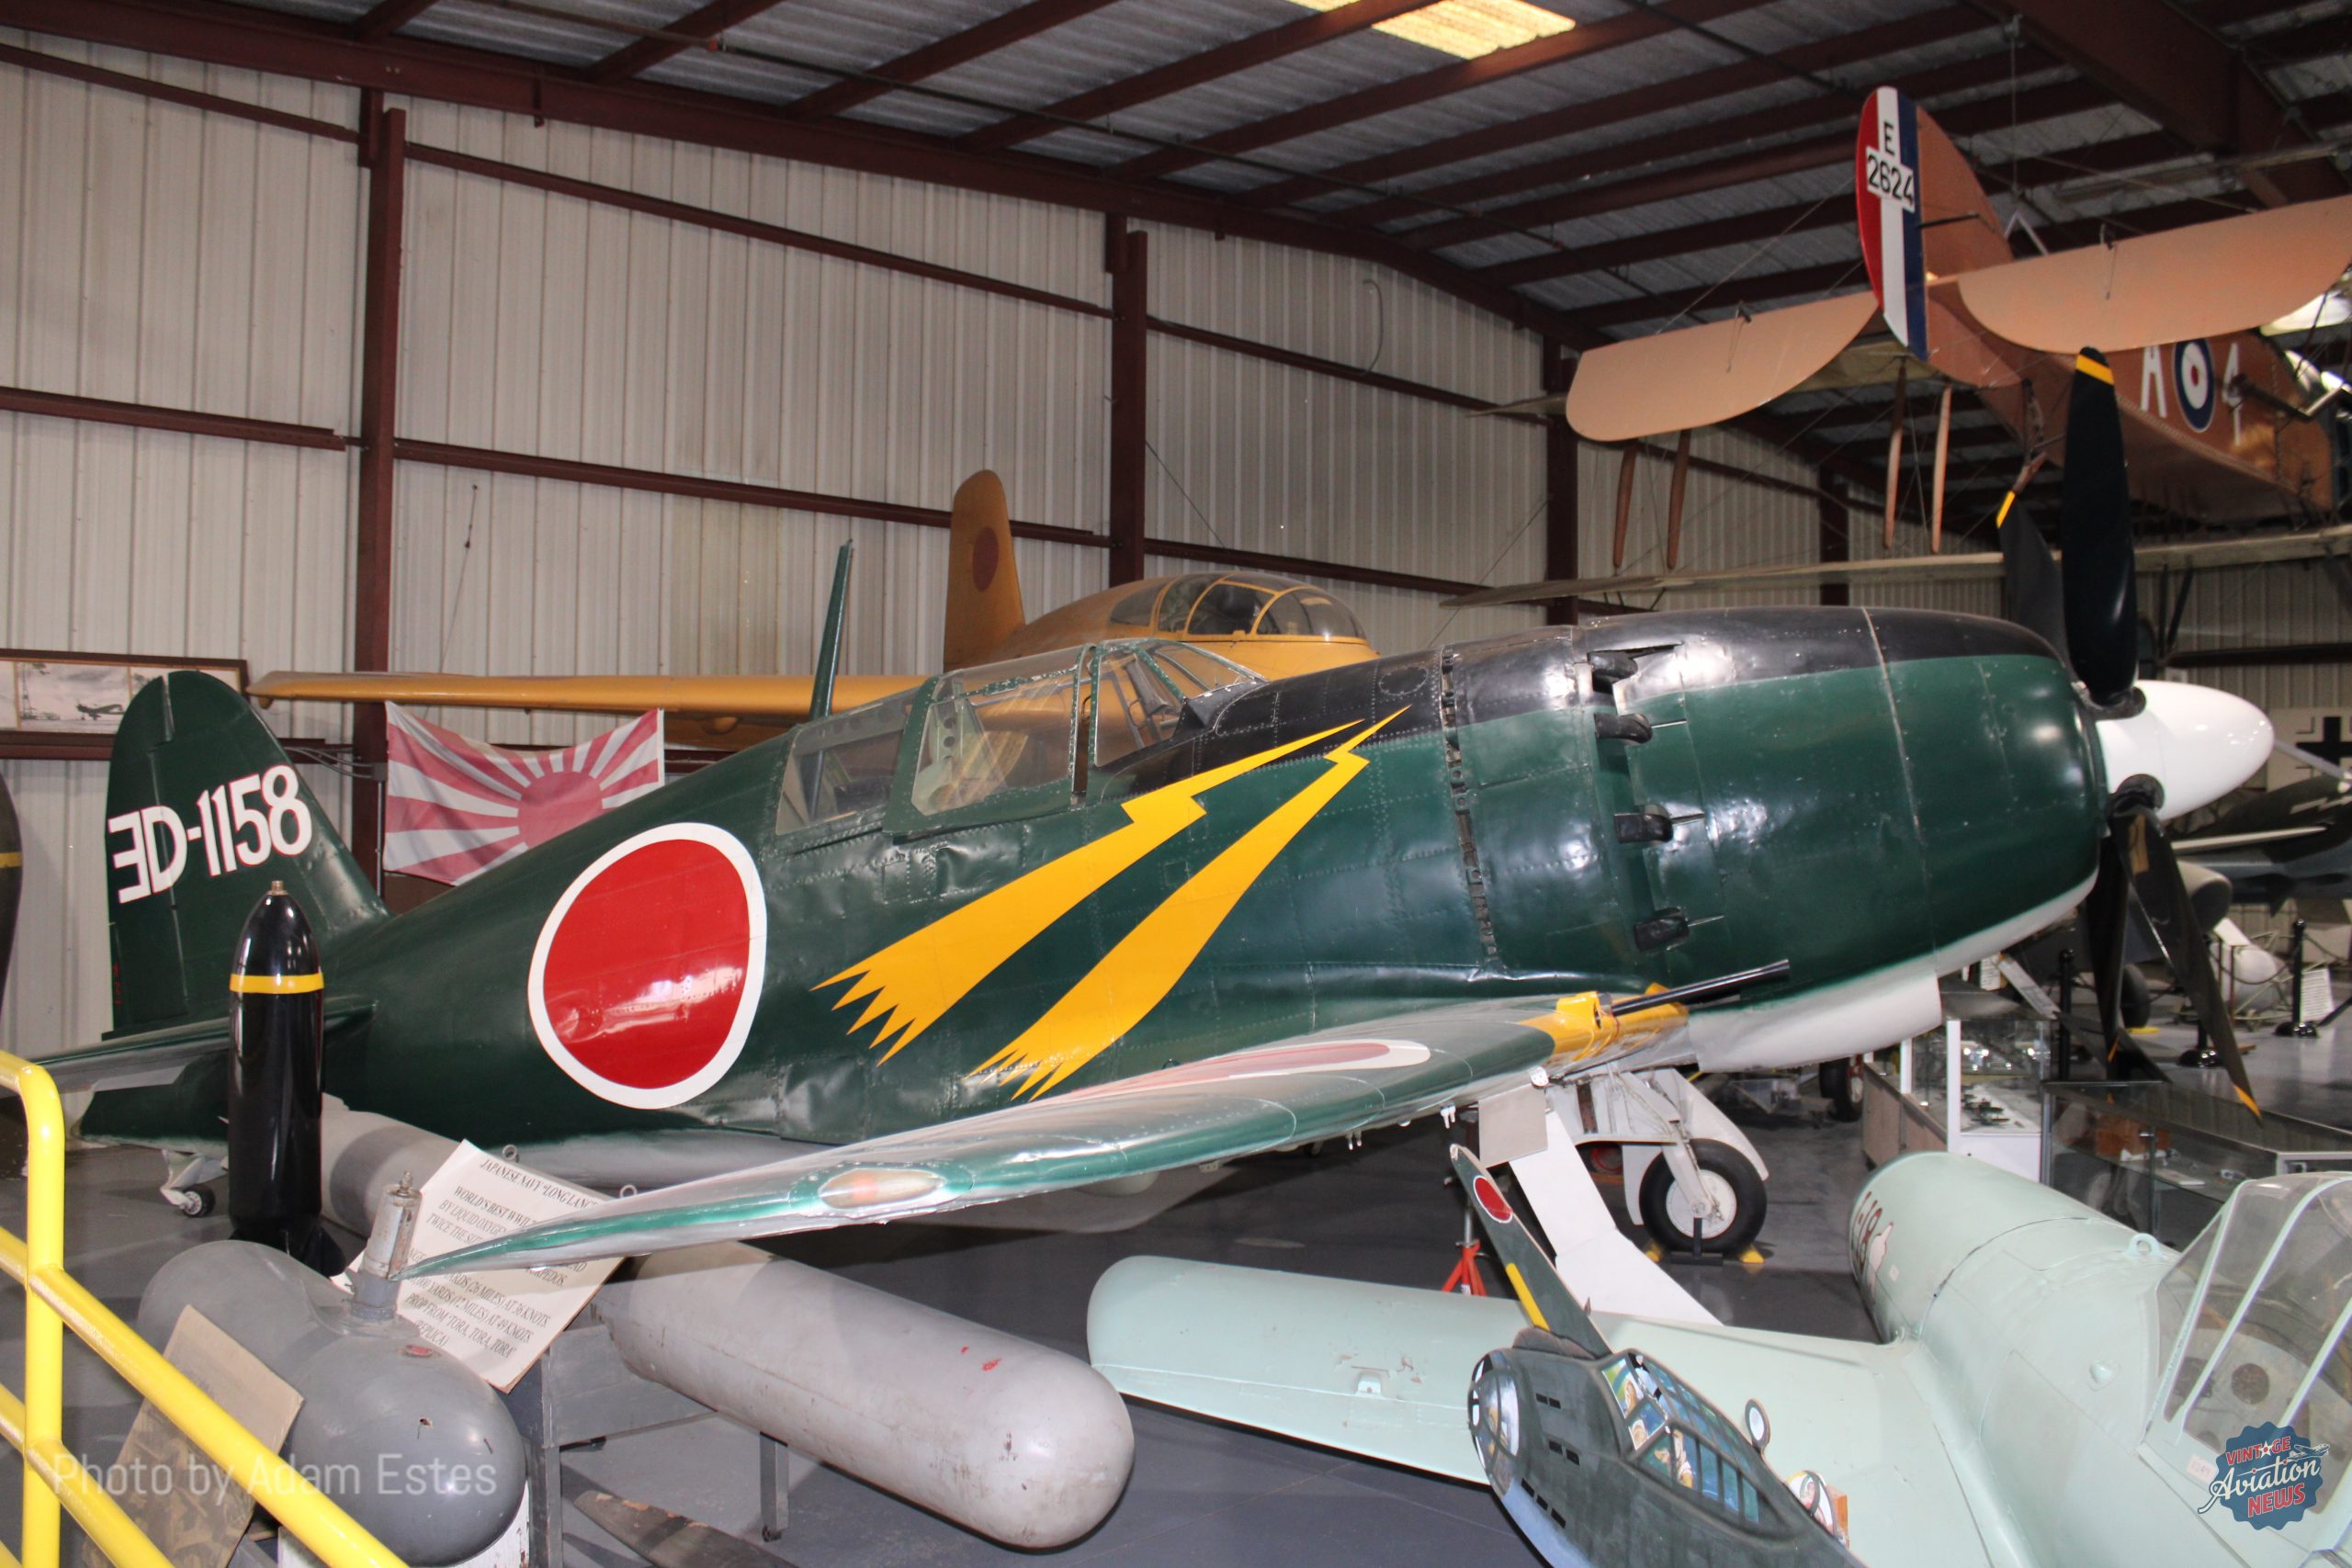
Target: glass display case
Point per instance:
(2163, 1157)
(1997, 1065)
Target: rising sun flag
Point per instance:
(455, 807)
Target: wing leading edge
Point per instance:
(1324, 1085)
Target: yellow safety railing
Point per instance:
(54, 1301)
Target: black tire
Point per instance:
(2133, 994)
(204, 1201)
(1840, 1084)
(1720, 1160)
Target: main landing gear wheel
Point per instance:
(1841, 1085)
(194, 1202)
(1672, 1218)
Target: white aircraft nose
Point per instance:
(2196, 742)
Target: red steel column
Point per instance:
(1126, 256)
(1560, 518)
(384, 143)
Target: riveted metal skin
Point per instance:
(1848, 790)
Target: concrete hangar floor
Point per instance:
(1201, 1493)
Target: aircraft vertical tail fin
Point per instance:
(1923, 214)
(203, 813)
(983, 586)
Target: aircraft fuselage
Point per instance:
(1656, 800)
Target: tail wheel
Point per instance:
(1735, 1185)
(1841, 1085)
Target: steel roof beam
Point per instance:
(1590, 38)
(2310, 40)
(251, 39)
(2126, 152)
(986, 38)
(695, 27)
(1910, 32)
(248, 37)
(2188, 81)
(1241, 54)
(387, 17)
(1784, 158)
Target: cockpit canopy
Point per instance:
(1686, 1442)
(2252, 1318)
(1236, 603)
(1027, 730)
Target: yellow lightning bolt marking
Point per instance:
(917, 978)
(1136, 975)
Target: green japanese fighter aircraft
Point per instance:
(2051, 1391)
(1128, 908)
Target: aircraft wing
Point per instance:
(784, 697)
(1383, 1371)
(2242, 550)
(158, 1056)
(1277, 1096)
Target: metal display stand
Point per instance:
(581, 1391)
(2163, 1157)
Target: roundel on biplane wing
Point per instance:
(647, 972)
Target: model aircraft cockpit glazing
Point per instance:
(2252, 1321)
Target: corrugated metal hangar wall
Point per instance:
(176, 256)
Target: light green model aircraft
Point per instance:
(2054, 1389)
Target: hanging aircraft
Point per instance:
(2052, 1389)
(2221, 423)
(1275, 625)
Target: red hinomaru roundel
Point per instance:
(647, 973)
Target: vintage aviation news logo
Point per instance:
(647, 972)
(2267, 1476)
(916, 980)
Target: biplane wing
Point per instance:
(769, 698)
(2253, 549)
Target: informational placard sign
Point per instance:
(498, 1322)
(193, 1510)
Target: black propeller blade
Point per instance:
(2034, 593)
(2094, 537)
(2155, 876)
(2091, 610)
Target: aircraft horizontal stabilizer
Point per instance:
(158, 1056)
(1270, 1096)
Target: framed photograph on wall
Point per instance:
(67, 705)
